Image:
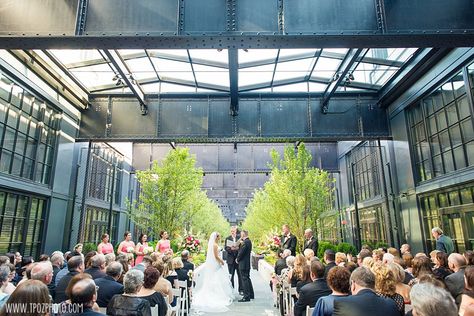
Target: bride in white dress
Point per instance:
(213, 291)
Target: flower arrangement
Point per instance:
(147, 250)
(130, 249)
(273, 242)
(191, 243)
(190, 275)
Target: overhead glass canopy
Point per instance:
(157, 71)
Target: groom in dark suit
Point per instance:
(288, 240)
(232, 256)
(243, 259)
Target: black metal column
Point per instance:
(357, 228)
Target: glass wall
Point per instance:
(329, 229)
(21, 223)
(453, 210)
(28, 133)
(441, 129)
(105, 174)
(372, 225)
(365, 161)
(97, 221)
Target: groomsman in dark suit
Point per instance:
(243, 259)
(310, 241)
(288, 240)
(232, 253)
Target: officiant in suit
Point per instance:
(243, 259)
(288, 240)
(232, 253)
(310, 241)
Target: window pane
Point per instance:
(5, 161)
(444, 140)
(437, 165)
(459, 157)
(463, 107)
(432, 123)
(467, 130)
(470, 153)
(455, 132)
(466, 196)
(452, 114)
(448, 95)
(441, 119)
(435, 146)
(9, 140)
(448, 161)
(16, 167)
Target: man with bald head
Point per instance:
(84, 294)
(455, 282)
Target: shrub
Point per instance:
(88, 247)
(347, 248)
(323, 245)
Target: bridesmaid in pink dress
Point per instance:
(105, 247)
(141, 245)
(127, 244)
(163, 245)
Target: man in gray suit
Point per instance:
(455, 282)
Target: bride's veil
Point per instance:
(210, 248)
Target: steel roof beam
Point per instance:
(124, 72)
(343, 69)
(234, 81)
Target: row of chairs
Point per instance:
(288, 301)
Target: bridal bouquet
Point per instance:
(147, 250)
(130, 249)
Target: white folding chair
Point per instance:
(292, 301)
(154, 310)
(309, 310)
(175, 310)
(183, 285)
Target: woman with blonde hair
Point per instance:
(341, 259)
(296, 274)
(401, 288)
(386, 286)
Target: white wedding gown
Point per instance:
(213, 292)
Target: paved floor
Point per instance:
(261, 305)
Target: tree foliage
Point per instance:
(296, 194)
(171, 198)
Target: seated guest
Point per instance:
(163, 286)
(84, 294)
(364, 253)
(430, 300)
(169, 272)
(305, 278)
(468, 294)
(296, 274)
(4, 273)
(30, 294)
(469, 256)
(74, 280)
(338, 282)
(97, 267)
(455, 282)
(57, 260)
(88, 258)
(10, 287)
(147, 291)
(43, 271)
(128, 303)
(441, 268)
(329, 258)
(340, 259)
(385, 286)
(145, 262)
(310, 293)
(185, 258)
(64, 270)
(75, 266)
(309, 255)
(421, 266)
(363, 300)
(180, 271)
(108, 285)
(280, 264)
(400, 287)
(109, 258)
(377, 255)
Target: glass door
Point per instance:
(458, 223)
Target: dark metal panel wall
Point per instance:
(441, 15)
(335, 16)
(203, 120)
(205, 16)
(257, 16)
(129, 17)
(45, 17)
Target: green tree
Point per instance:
(166, 193)
(296, 194)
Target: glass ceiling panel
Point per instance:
(251, 55)
(326, 68)
(337, 50)
(373, 74)
(178, 75)
(316, 87)
(94, 76)
(256, 75)
(72, 56)
(211, 75)
(170, 65)
(395, 54)
(349, 88)
(211, 55)
(141, 68)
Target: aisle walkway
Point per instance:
(262, 305)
